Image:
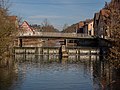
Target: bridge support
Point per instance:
(63, 52)
(66, 42)
(78, 54)
(20, 42)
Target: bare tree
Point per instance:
(114, 26)
(7, 30)
(47, 27)
(65, 26)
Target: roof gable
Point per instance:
(25, 26)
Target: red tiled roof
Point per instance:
(80, 24)
(105, 12)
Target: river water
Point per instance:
(50, 73)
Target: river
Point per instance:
(43, 73)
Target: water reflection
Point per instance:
(43, 72)
(8, 76)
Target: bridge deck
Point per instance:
(56, 35)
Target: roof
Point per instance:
(27, 25)
(105, 12)
(80, 24)
(88, 21)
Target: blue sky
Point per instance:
(57, 12)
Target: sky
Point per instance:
(57, 12)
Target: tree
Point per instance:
(65, 26)
(7, 30)
(46, 27)
(69, 29)
(114, 26)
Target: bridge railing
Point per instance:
(54, 34)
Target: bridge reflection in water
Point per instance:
(49, 53)
(79, 71)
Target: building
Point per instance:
(95, 25)
(79, 27)
(85, 27)
(101, 27)
(88, 27)
(25, 29)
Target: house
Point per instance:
(79, 27)
(83, 27)
(95, 25)
(25, 29)
(88, 27)
(100, 23)
(103, 20)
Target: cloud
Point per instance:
(44, 16)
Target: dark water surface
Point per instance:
(87, 73)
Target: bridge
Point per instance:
(83, 37)
(55, 35)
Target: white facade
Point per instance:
(90, 28)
